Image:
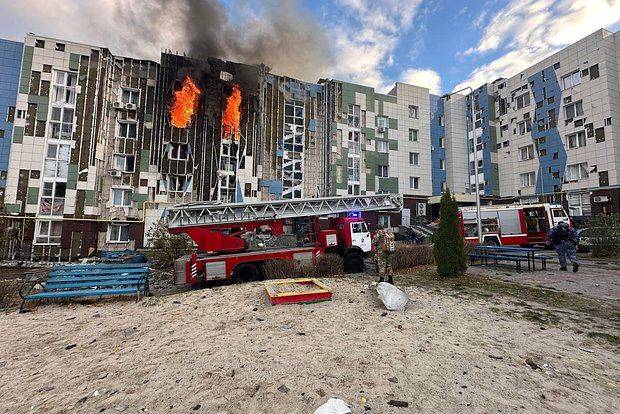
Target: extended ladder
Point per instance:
(197, 214)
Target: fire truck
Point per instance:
(511, 224)
(235, 239)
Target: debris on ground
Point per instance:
(397, 403)
(392, 297)
(333, 406)
(530, 362)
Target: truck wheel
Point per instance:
(246, 273)
(353, 262)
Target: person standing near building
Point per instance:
(384, 245)
(565, 240)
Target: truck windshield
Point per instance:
(558, 212)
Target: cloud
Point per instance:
(527, 31)
(366, 35)
(426, 78)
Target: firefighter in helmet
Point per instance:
(384, 246)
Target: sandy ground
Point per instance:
(225, 350)
(596, 278)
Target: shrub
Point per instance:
(604, 235)
(166, 247)
(408, 256)
(326, 265)
(449, 249)
(9, 293)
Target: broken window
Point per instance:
(570, 80)
(353, 143)
(60, 47)
(40, 129)
(603, 178)
(64, 88)
(353, 117)
(47, 68)
(413, 111)
(414, 158)
(353, 169)
(124, 163)
(53, 198)
(551, 116)
(10, 114)
(441, 142)
(382, 146)
(442, 164)
(127, 130)
(607, 122)
(178, 183)
(1, 133)
(523, 100)
(573, 110)
(382, 171)
(526, 153)
(528, 179)
(39, 43)
(56, 164)
(594, 72)
(48, 232)
(178, 151)
(121, 197)
(61, 122)
(599, 134)
(575, 172)
(131, 96)
(524, 127)
(413, 135)
(414, 183)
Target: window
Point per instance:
(118, 233)
(551, 117)
(599, 134)
(607, 121)
(126, 130)
(441, 121)
(53, 198)
(603, 178)
(56, 164)
(526, 153)
(1, 133)
(363, 118)
(523, 100)
(382, 123)
(384, 221)
(575, 172)
(60, 47)
(441, 142)
(48, 232)
(413, 111)
(61, 122)
(594, 72)
(131, 96)
(382, 146)
(121, 197)
(178, 151)
(442, 164)
(359, 228)
(47, 68)
(414, 183)
(570, 80)
(573, 110)
(382, 170)
(579, 204)
(443, 187)
(414, 158)
(39, 43)
(576, 140)
(413, 135)
(353, 189)
(524, 127)
(64, 88)
(124, 163)
(353, 169)
(353, 118)
(528, 179)
(179, 183)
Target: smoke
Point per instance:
(281, 35)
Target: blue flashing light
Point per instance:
(355, 214)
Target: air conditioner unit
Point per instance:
(117, 105)
(130, 106)
(381, 128)
(115, 173)
(600, 199)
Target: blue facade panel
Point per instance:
(438, 153)
(10, 65)
(545, 135)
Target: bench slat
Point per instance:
(63, 279)
(50, 286)
(56, 273)
(84, 292)
(101, 266)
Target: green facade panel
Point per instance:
(389, 184)
(24, 82)
(32, 195)
(12, 208)
(392, 123)
(74, 61)
(144, 160)
(139, 199)
(72, 177)
(89, 198)
(18, 134)
(370, 182)
(393, 144)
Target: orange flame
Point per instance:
(232, 116)
(185, 103)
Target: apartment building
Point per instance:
(380, 143)
(73, 182)
(10, 64)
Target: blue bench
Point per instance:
(88, 280)
(484, 258)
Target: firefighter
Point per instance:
(384, 248)
(565, 241)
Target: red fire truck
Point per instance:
(511, 224)
(236, 239)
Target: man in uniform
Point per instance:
(384, 246)
(564, 240)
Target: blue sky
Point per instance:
(439, 44)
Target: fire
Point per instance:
(232, 116)
(185, 103)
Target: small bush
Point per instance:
(408, 256)
(9, 295)
(166, 247)
(326, 265)
(604, 235)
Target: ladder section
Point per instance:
(196, 214)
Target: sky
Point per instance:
(443, 45)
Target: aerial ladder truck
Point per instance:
(235, 239)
